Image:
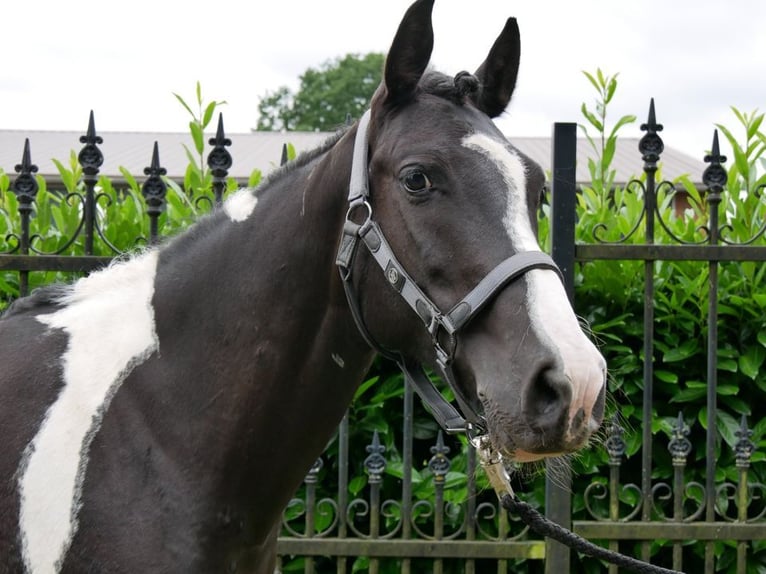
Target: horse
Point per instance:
(157, 415)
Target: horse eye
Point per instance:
(416, 181)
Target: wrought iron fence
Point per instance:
(404, 529)
(386, 519)
(677, 510)
(22, 253)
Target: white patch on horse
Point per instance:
(109, 319)
(516, 217)
(240, 205)
(551, 314)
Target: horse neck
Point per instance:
(270, 331)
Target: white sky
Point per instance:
(124, 60)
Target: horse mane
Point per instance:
(40, 297)
(455, 89)
(303, 158)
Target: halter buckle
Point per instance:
(439, 322)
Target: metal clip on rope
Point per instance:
(492, 462)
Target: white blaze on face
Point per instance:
(240, 205)
(551, 316)
(109, 320)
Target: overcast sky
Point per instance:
(124, 60)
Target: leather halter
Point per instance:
(442, 326)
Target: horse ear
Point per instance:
(409, 54)
(499, 71)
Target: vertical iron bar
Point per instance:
(714, 179)
(91, 159)
(407, 470)
(342, 486)
(742, 517)
(439, 465)
(470, 509)
(743, 450)
(679, 446)
(615, 446)
(712, 381)
(375, 465)
(311, 485)
(651, 147)
(25, 187)
(558, 502)
(503, 528)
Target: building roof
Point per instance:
(263, 150)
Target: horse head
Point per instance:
(455, 200)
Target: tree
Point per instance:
(326, 95)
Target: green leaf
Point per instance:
(751, 360)
(729, 365)
(666, 376)
(688, 395)
(609, 149)
(197, 136)
(624, 120)
(591, 118)
(129, 178)
(727, 426)
(592, 80)
(365, 386)
(752, 128)
(255, 178)
(208, 115)
(610, 89)
(184, 104)
(357, 484)
(682, 352)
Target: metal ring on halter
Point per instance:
(475, 434)
(359, 203)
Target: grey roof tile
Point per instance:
(263, 150)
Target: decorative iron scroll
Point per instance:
(372, 518)
(679, 501)
(657, 195)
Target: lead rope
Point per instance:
(492, 462)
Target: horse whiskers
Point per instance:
(588, 330)
(559, 470)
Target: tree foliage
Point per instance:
(326, 96)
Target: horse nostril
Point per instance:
(598, 408)
(547, 400)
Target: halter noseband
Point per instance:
(443, 327)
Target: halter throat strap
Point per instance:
(443, 327)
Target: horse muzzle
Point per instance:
(554, 413)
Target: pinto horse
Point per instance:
(156, 416)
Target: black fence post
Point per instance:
(558, 501)
(25, 187)
(91, 159)
(154, 190)
(219, 161)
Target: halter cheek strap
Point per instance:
(442, 326)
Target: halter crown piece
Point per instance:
(443, 327)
